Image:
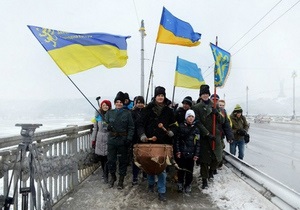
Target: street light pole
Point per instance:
(294, 75)
(247, 89)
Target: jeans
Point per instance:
(240, 143)
(161, 183)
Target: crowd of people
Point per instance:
(196, 132)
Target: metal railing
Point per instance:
(278, 193)
(66, 159)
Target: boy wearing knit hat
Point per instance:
(187, 103)
(187, 148)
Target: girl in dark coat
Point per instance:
(187, 151)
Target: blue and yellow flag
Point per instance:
(74, 53)
(175, 31)
(222, 65)
(188, 75)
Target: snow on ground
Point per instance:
(228, 191)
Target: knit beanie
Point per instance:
(204, 89)
(238, 109)
(140, 99)
(120, 96)
(189, 112)
(214, 96)
(159, 90)
(188, 100)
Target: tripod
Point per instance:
(24, 148)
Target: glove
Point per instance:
(215, 111)
(93, 144)
(144, 138)
(229, 141)
(127, 142)
(247, 138)
(211, 137)
(170, 133)
(110, 127)
(241, 132)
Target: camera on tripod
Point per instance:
(27, 149)
(27, 130)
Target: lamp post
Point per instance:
(143, 34)
(294, 75)
(247, 89)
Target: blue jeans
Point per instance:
(161, 183)
(240, 143)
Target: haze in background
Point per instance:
(263, 59)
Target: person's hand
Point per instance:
(128, 142)
(178, 154)
(229, 141)
(211, 137)
(93, 144)
(241, 132)
(144, 138)
(170, 133)
(215, 111)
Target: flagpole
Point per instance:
(215, 105)
(151, 72)
(173, 95)
(83, 95)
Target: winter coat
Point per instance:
(187, 140)
(136, 117)
(226, 127)
(238, 123)
(100, 135)
(151, 118)
(120, 126)
(204, 122)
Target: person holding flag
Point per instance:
(211, 147)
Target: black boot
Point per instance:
(120, 183)
(112, 180)
(204, 183)
(210, 174)
(162, 197)
(151, 188)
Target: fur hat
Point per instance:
(238, 109)
(159, 90)
(188, 100)
(189, 112)
(126, 96)
(204, 89)
(107, 102)
(213, 96)
(140, 99)
(120, 96)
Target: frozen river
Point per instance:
(275, 150)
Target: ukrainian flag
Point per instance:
(222, 65)
(175, 31)
(75, 53)
(188, 75)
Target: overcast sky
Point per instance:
(263, 64)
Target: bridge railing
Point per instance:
(65, 157)
(278, 193)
